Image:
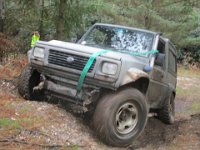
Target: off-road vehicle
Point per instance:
(121, 72)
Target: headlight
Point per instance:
(38, 52)
(109, 68)
(29, 55)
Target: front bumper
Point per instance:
(71, 78)
(62, 84)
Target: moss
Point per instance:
(15, 124)
(7, 122)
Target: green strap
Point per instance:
(144, 53)
(86, 68)
(92, 58)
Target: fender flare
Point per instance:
(133, 75)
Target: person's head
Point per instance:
(36, 33)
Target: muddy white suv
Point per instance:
(121, 72)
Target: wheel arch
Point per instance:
(172, 89)
(141, 84)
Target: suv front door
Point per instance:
(158, 77)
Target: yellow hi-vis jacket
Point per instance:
(35, 38)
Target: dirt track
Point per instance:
(45, 125)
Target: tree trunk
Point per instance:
(2, 11)
(147, 16)
(41, 31)
(60, 23)
(1, 24)
(147, 21)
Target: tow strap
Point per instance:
(91, 60)
(86, 69)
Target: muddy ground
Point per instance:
(46, 125)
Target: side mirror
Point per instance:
(160, 59)
(77, 37)
(73, 40)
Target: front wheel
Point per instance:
(120, 117)
(28, 79)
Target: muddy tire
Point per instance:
(27, 80)
(120, 117)
(167, 113)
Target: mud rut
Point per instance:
(76, 129)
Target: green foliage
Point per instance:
(63, 19)
(175, 19)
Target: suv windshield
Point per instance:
(119, 39)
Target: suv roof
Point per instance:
(120, 26)
(170, 43)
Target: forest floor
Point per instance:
(50, 125)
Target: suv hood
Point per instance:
(79, 48)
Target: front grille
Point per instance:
(60, 59)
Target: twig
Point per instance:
(35, 144)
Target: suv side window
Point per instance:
(172, 62)
(161, 46)
(161, 49)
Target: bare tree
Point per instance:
(60, 23)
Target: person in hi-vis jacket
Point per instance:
(35, 38)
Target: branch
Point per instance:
(11, 139)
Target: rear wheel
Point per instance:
(167, 113)
(120, 117)
(28, 79)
